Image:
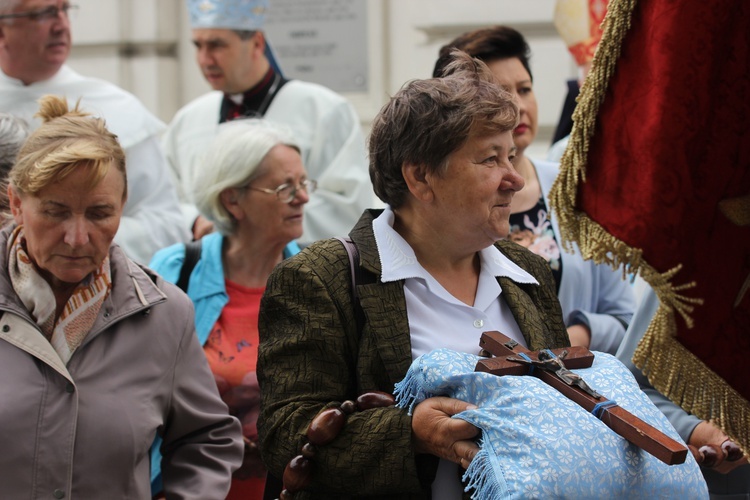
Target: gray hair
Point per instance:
(13, 133)
(243, 34)
(232, 161)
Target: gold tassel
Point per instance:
(711, 399)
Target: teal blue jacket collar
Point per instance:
(206, 287)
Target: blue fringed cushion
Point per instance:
(537, 443)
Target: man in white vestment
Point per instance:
(35, 42)
(233, 55)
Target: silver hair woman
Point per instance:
(98, 355)
(253, 187)
(234, 159)
(13, 133)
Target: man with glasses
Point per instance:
(235, 59)
(35, 42)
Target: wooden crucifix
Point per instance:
(514, 359)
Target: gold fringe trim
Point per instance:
(709, 397)
(671, 369)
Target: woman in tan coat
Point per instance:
(97, 355)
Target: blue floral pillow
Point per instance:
(537, 443)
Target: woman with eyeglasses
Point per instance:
(253, 187)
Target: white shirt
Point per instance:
(325, 127)
(437, 319)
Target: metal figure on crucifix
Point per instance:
(554, 368)
(554, 364)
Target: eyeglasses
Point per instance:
(287, 192)
(41, 15)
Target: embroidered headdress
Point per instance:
(228, 14)
(244, 15)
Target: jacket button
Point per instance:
(6, 328)
(58, 494)
(70, 388)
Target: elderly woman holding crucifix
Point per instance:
(342, 322)
(441, 273)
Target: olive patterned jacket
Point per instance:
(312, 357)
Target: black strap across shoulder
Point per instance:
(192, 256)
(359, 277)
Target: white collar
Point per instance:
(236, 98)
(62, 74)
(398, 260)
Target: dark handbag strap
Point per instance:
(192, 256)
(359, 277)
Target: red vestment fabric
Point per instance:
(672, 140)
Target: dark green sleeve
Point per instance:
(308, 360)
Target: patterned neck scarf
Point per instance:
(68, 331)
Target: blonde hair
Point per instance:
(68, 139)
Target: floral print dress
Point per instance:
(533, 230)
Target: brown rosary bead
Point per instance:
(297, 474)
(731, 450)
(349, 406)
(326, 426)
(711, 454)
(308, 450)
(375, 399)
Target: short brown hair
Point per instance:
(427, 120)
(66, 140)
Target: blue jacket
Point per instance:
(208, 293)
(206, 288)
(735, 484)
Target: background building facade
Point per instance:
(144, 46)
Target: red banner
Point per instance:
(667, 173)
